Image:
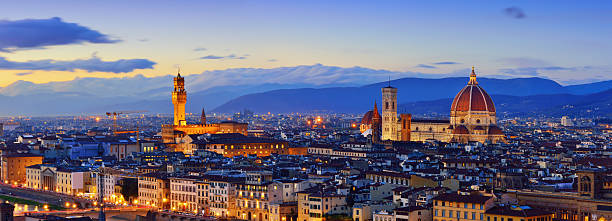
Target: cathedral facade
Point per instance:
(172, 134)
(472, 118)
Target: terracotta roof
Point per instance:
(461, 130)
(367, 118)
(517, 212)
(495, 130)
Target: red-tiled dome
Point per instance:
(472, 98)
(461, 130)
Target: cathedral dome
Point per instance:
(472, 98)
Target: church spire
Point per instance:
(375, 111)
(473, 77)
(203, 117)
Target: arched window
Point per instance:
(585, 184)
(386, 105)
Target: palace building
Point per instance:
(172, 134)
(472, 118)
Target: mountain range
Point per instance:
(314, 88)
(519, 96)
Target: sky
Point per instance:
(45, 41)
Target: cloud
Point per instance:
(537, 71)
(446, 62)
(39, 33)
(199, 49)
(272, 60)
(524, 62)
(24, 73)
(143, 40)
(212, 57)
(514, 12)
(93, 64)
(231, 56)
(426, 66)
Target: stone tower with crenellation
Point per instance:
(179, 98)
(389, 113)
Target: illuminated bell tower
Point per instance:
(389, 113)
(179, 98)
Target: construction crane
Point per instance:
(114, 115)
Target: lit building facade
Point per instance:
(456, 207)
(14, 166)
(67, 180)
(154, 190)
(314, 206)
(183, 194)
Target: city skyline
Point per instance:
(562, 41)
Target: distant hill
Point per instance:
(361, 99)
(589, 88)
